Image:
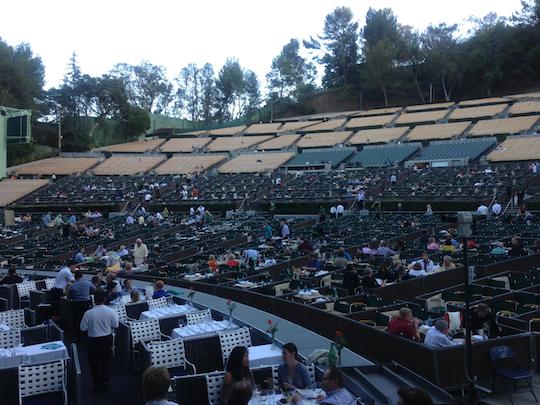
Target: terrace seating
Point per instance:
(461, 149)
(198, 317)
(470, 113)
(256, 162)
(230, 131)
(380, 156)
(525, 108)
(42, 379)
(12, 190)
(373, 121)
(261, 129)
(437, 131)
(128, 165)
(421, 117)
(10, 338)
(171, 355)
(320, 139)
(214, 383)
(516, 148)
(229, 340)
(279, 142)
(188, 164)
(378, 111)
(184, 144)
(429, 107)
(330, 125)
(296, 125)
(134, 147)
(156, 303)
(235, 143)
(380, 135)
(504, 126)
(60, 166)
(318, 157)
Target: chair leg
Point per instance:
(529, 382)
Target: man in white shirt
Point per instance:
(130, 220)
(482, 210)
(340, 209)
(140, 252)
(361, 198)
(496, 208)
(333, 211)
(147, 197)
(201, 210)
(285, 230)
(99, 323)
(63, 278)
(437, 336)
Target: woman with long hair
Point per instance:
(237, 369)
(292, 374)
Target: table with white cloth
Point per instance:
(307, 395)
(165, 312)
(264, 355)
(32, 355)
(4, 327)
(203, 329)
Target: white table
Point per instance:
(32, 355)
(264, 355)
(4, 327)
(168, 311)
(246, 284)
(203, 330)
(307, 395)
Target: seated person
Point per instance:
(383, 250)
(437, 336)
(292, 374)
(432, 244)
(126, 272)
(447, 247)
(425, 263)
(241, 393)
(11, 277)
(155, 386)
(447, 263)
(305, 246)
(313, 262)
(482, 319)
(351, 281)
(413, 396)
(80, 257)
(113, 288)
(135, 296)
(333, 387)
(417, 271)
(340, 261)
(158, 290)
(404, 325)
(128, 287)
(237, 369)
(368, 281)
(213, 263)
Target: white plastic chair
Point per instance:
(120, 310)
(199, 317)
(24, 288)
(49, 283)
(13, 318)
(10, 338)
(214, 382)
(169, 354)
(145, 331)
(42, 379)
(156, 303)
(230, 339)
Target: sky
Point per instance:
(175, 33)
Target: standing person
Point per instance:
(140, 253)
(361, 199)
(267, 230)
(79, 293)
(351, 280)
(340, 210)
(285, 230)
(99, 323)
(63, 278)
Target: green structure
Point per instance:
(15, 127)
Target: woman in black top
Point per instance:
(351, 281)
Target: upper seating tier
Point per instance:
(57, 165)
(295, 125)
(184, 144)
(379, 135)
(260, 129)
(380, 156)
(427, 107)
(119, 165)
(230, 131)
(279, 142)
(437, 131)
(513, 125)
(330, 125)
(372, 121)
(525, 107)
(12, 190)
(317, 140)
(470, 113)
(235, 143)
(421, 117)
(134, 147)
(187, 164)
(516, 148)
(255, 162)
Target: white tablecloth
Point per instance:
(32, 355)
(265, 400)
(4, 327)
(264, 355)
(202, 330)
(165, 312)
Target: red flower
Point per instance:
(270, 322)
(338, 333)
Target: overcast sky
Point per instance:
(174, 33)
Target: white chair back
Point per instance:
(24, 288)
(326, 281)
(121, 312)
(214, 382)
(13, 318)
(199, 317)
(42, 379)
(144, 331)
(49, 283)
(230, 339)
(168, 353)
(156, 303)
(279, 288)
(10, 338)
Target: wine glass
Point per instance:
(257, 394)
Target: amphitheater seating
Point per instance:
(437, 131)
(195, 133)
(482, 101)
(58, 166)
(279, 142)
(186, 164)
(385, 155)
(184, 144)
(316, 140)
(379, 135)
(429, 107)
(231, 131)
(330, 125)
(235, 143)
(525, 95)
(261, 129)
(513, 125)
(134, 147)
(128, 165)
(485, 111)
(421, 117)
(516, 148)
(378, 111)
(525, 107)
(317, 157)
(12, 190)
(372, 121)
(460, 149)
(295, 125)
(255, 162)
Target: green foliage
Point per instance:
(138, 121)
(26, 152)
(379, 67)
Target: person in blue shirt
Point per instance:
(46, 219)
(437, 335)
(333, 386)
(72, 219)
(292, 374)
(346, 254)
(80, 257)
(313, 261)
(158, 290)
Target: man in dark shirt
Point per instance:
(11, 277)
(482, 317)
(368, 281)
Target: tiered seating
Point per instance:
(12, 190)
(134, 147)
(186, 164)
(316, 140)
(184, 144)
(330, 125)
(379, 135)
(295, 125)
(461, 149)
(279, 142)
(58, 166)
(437, 131)
(317, 157)
(372, 121)
(128, 165)
(195, 133)
(378, 111)
(486, 111)
(386, 155)
(231, 131)
(236, 143)
(261, 129)
(504, 126)
(421, 117)
(428, 107)
(482, 101)
(516, 148)
(524, 95)
(255, 162)
(525, 108)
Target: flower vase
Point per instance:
(338, 360)
(230, 320)
(273, 342)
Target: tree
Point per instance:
(189, 91)
(339, 43)
(208, 92)
(230, 87)
(289, 72)
(381, 25)
(529, 13)
(379, 67)
(252, 93)
(412, 56)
